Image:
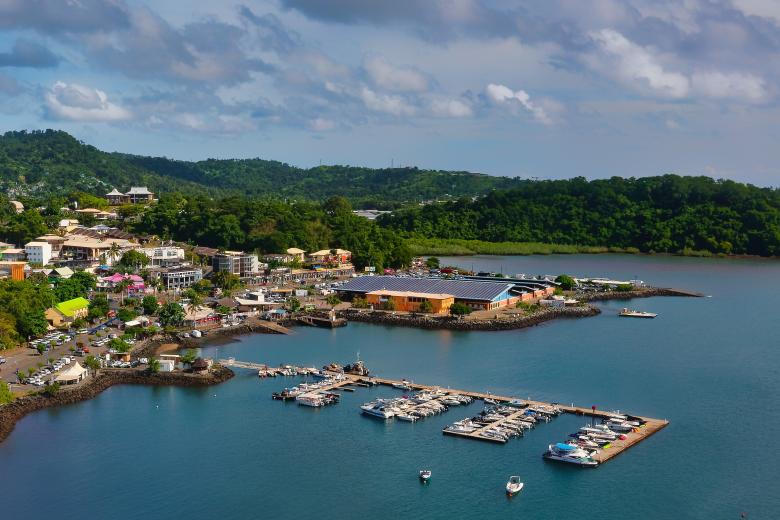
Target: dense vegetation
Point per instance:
(273, 226)
(654, 214)
(35, 163)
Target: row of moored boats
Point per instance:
(314, 394)
(499, 422)
(582, 445)
(411, 408)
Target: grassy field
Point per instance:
(453, 247)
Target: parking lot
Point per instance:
(45, 357)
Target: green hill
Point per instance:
(46, 162)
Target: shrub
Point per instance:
(426, 306)
(460, 309)
(360, 303)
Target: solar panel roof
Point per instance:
(460, 289)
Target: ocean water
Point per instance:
(709, 365)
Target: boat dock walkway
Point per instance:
(617, 447)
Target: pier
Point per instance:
(650, 426)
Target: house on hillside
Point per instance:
(67, 311)
(136, 195)
(330, 256)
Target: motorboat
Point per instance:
(630, 313)
(562, 452)
(407, 417)
(378, 408)
(517, 403)
(620, 426)
(316, 400)
(425, 475)
(513, 486)
(403, 385)
(286, 395)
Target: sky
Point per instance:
(551, 89)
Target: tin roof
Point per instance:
(460, 289)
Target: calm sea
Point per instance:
(709, 365)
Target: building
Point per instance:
(55, 241)
(12, 270)
(115, 198)
(163, 255)
(136, 283)
(38, 252)
(136, 195)
(72, 375)
(477, 294)
(410, 301)
(13, 254)
(179, 277)
(62, 273)
(85, 249)
(167, 365)
(97, 213)
(139, 195)
(67, 311)
(370, 214)
(244, 265)
(331, 256)
(297, 254)
(18, 206)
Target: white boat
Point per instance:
(310, 399)
(403, 385)
(406, 417)
(514, 486)
(570, 454)
(425, 475)
(378, 409)
(620, 426)
(630, 313)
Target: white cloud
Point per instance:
(745, 87)
(387, 76)
(636, 65)
(764, 8)
(451, 108)
(500, 94)
(390, 104)
(320, 124)
(79, 103)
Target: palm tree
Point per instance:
(114, 251)
(121, 287)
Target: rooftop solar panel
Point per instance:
(460, 289)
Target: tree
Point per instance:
(226, 281)
(149, 305)
(359, 303)
(459, 309)
(293, 304)
(32, 322)
(126, 314)
(566, 282)
(51, 389)
(119, 345)
(332, 300)
(388, 305)
(432, 262)
(426, 306)
(98, 306)
(92, 363)
(132, 261)
(154, 365)
(189, 356)
(223, 309)
(171, 314)
(5, 393)
(121, 287)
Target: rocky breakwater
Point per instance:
(105, 378)
(502, 322)
(645, 292)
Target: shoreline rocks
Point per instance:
(12, 412)
(448, 323)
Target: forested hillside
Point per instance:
(662, 214)
(42, 163)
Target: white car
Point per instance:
(144, 360)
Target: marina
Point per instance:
(503, 417)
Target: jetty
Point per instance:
(319, 321)
(649, 427)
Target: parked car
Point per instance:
(2, 360)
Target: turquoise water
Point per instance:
(709, 365)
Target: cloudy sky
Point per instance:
(536, 89)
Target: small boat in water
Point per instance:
(514, 486)
(425, 475)
(630, 313)
(378, 408)
(403, 385)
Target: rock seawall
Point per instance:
(638, 293)
(503, 323)
(105, 378)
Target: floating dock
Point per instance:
(650, 426)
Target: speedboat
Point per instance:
(406, 417)
(570, 454)
(403, 385)
(630, 313)
(514, 486)
(378, 409)
(425, 475)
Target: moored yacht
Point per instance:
(570, 454)
(630, 313)
(378, 408)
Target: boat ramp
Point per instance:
(347, 382)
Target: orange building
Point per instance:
(12, 270)
(408, 301)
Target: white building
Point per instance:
(164, 255)
(38, 252)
